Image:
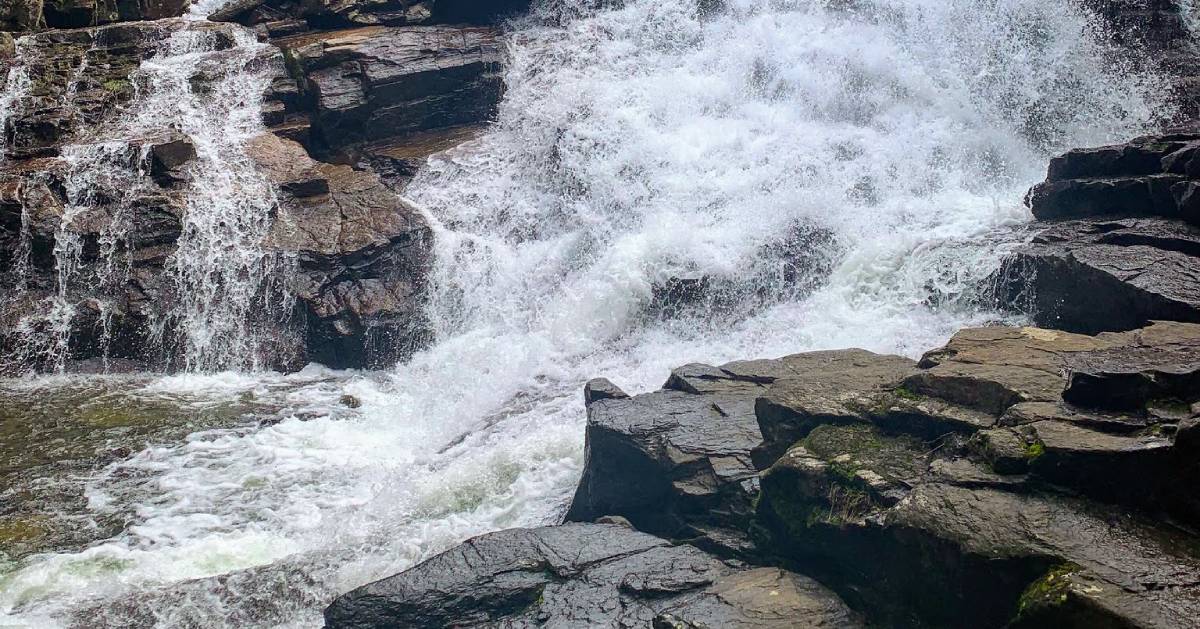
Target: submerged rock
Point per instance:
(594, 575)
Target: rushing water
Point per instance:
(888, 143)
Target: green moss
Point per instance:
(906, 394)
(117, 85)
(22, 530)
(1050, 590)
(1034, 450)
(1169, 407)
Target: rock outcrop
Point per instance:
(594, 575)
(370, 84)
(1117, 241)
(1012, 522)
(361, 253)
(379, 98)
(1031, 476)
(680, 462)
(272, 14)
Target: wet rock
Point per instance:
(170, 155)
(828, 387)
(675, 462)
(992, 515)
(984, 553)
(361, 254)
(680, 462)
(1092, 275)
(329, 14)
(79, 77)
(601, 389)
(374, 83)
(585, 574)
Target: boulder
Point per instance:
(361, 252)
(582, 574)
(373, 83)
(1092, 275)
(1010, 520)
(332, 14)
(680, 462)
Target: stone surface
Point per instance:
(586, 575)
(680, 462)
(1029, 518)
(373, 83)
(1028, 475)
(332, 14)
(1091, 275)
(361, 254)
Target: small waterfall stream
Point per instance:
(845, 175)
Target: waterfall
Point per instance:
(814, 174)
(224, 297)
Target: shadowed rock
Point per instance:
(586, 575)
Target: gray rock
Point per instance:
(1093, 275)
(361, 253)
(586, 575)
(374, 83)
(601, 389)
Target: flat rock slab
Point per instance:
(1094, 275)
(593, 575)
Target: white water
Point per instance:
(634, 144)
(224, 290)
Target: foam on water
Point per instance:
(893, 138)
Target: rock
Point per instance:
(168, 156)
(678, 462)
(674, 462)
(397, 159)
(374, 83)
(82, 76)
(794, 263)
(18, 16)
(1093, 275)
(985, 555)
(829, 387)
(361, 254)
(585, 575)
(998, 515)
(332, 14)
(601, 389)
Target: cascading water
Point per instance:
(225, 289)
(887, 143)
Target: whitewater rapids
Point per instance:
(635, 144)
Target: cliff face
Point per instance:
(345, 102)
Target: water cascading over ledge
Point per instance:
(648, 162)
(150, 217)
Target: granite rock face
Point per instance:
(595, 575)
